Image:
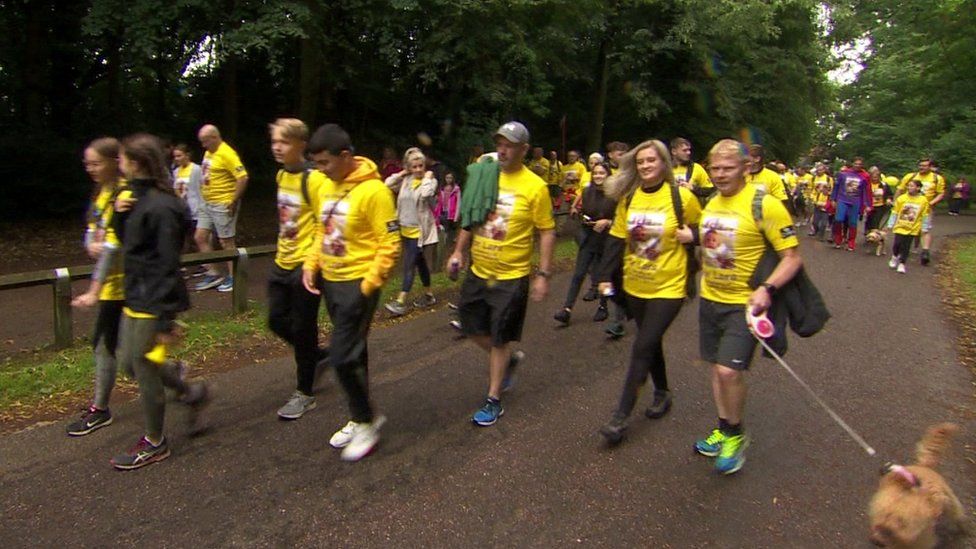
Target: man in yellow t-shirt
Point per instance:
(223, 181)
(496, 290)
(762, 177)
(573, 164)
(688, 173)
(539, 164)
(933, 189)
(357, 242)
(615, 151)
(292, 310)
(802, 193)
(733, 240)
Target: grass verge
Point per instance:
(50, 383)
(957, 281)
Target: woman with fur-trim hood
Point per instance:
(648, 243)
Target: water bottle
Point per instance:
(454, 269)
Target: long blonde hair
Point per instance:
(626, 180)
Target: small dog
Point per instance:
(877, 238)
(914, 506)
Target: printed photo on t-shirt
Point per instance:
(495, 226)
(645, 230)
(851, 186)
(909, 213)
(333, 218)
(205, 172)
(289, 210)
(718, 241)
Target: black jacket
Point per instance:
(798, 302)
(152, 235)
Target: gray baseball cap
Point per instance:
(514, 132)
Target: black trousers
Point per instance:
(587, 261)
(351, 313)
(293, 316)
(877, 215)
(903, 246)
(653, 317)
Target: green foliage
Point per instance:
(914, 98)
(388, 69)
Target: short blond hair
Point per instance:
(729, 147)
(291, 128)
(411, 154)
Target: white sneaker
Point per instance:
(902, 269)
(893, 262)
(344, 436)
(366, 437)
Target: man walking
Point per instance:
(736, 225)
(495, 292)
(223, 185)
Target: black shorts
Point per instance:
(724, 336)
(493, 308)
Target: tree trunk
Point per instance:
(595, 137)
(229, 78)
(310, 81)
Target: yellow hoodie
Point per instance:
(357, 235)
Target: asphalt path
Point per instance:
(541, 476)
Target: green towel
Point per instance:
(480, 192)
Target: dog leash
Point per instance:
(833, 415)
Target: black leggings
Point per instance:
(293, 315)
(902, 247)
(653, 317)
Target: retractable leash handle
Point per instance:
(758, 327)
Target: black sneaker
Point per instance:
(590, 295)
(91, 420)
(197, 398)
(562, 316)
(140, 455)
(615, 330)
(614, 430)
(924, 258)
(601, 314)
(660, 406)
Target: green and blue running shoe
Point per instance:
(712, 445)
(733, 454)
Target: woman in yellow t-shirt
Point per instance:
(650, 244)
(101, 161)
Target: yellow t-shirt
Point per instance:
(502, 246)
(411, 232)
(820, 198)
(655, 263)
(357, 234)
(769, 181)
(699, 179)
(577, 167)
(540, 167)
(100, 227)
(805, 182)
(932, 184)
(909, 212)
(732, 243)
(296, 218)
(221, 170)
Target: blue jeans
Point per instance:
(413, 256)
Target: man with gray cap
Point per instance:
(500, 280)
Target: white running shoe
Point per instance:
(344, 436)
(902, 269)
(893, 262)
(365, 439)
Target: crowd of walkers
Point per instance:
(651, 219)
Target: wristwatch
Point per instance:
(770, 288)
(544, 274)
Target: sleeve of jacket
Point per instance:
(382, 215)
(169, 226)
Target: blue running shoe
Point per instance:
(208, 281)
(489, 413)
(513, 363)
(227, 285)
(712, 445)
(733, 454)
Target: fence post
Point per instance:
(239, 296)
(62, 309)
